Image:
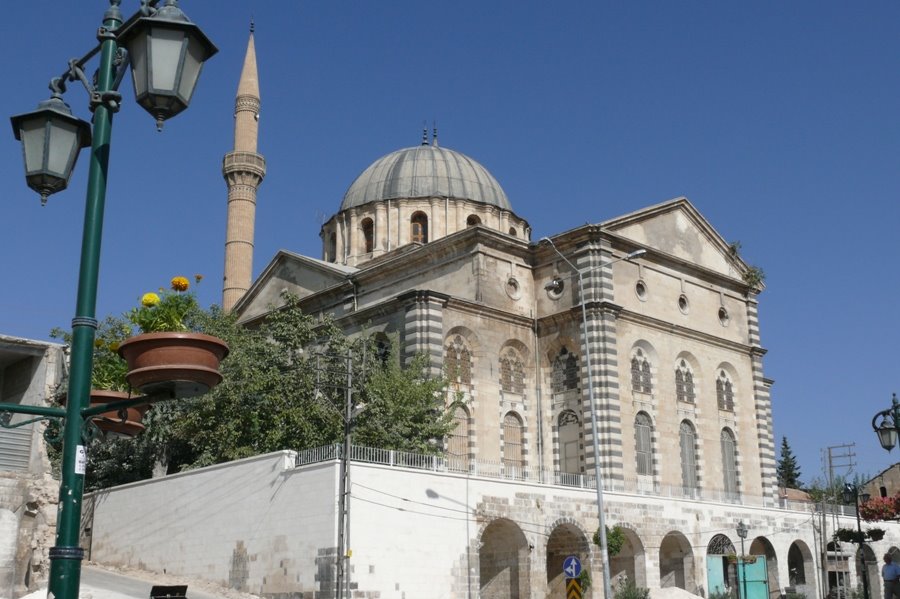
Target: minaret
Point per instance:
(244, 170)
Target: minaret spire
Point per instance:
(243, 169)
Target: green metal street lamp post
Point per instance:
(51, 138)
(850, 494)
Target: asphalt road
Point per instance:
(118, 585)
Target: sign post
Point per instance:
(572, 570)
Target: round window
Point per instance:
(555, 288)
(640, 288)
(513, 289)
(724, 318)
(683, 304)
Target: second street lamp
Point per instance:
(51, 138)
(886, 423)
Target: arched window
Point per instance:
(724, 392)
(643, 443)
(512, 231)
(383, 348)
(512, 372)
(729, 461)
(688, 441)
(569, 444)
(418, 232)
(565, 372)
(458, 443)
(332, 248)
(640, 373)
(513, 460)
(368, 231)
(473, 220)
(684, 383)
(458, 361)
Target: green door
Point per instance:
(754, 581)
(715, 574)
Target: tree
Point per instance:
(283, 387)
(788, 470)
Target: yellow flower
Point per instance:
(114, 346)
(180, 284)
(98, 343)
(148, 300)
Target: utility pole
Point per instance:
(837, 461)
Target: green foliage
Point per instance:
(628, 590)
(109, 369)
(584, 580)
(754, 277)
(615, 539)
(788, 470)
(167, 311)
(726, 594)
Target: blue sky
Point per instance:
(779, 121)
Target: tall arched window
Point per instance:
(512, 372)
(688, 441)
(418, 231)
(643, 443)
(565, 372)
(729, 461)
(640, 373)
(684, 383)
(368, 233)
(513, 459)
(458, 361)
(724, 392)
(458, 443)
(569, 443)
(332, 248)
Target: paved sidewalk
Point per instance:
(99, 583)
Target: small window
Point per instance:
(725, 392)
(640, 288)
(724, 318)
(684, 383)
(473, 220)
(332, 248)
(368, 231)
(643, 443)
(640, 373)
(555, 288)
(683, 304)
(419, 228)
(512, 231)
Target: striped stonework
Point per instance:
(762, 403)
(423, 327)
(602, 345)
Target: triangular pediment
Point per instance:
(678, 229)
(292, 273)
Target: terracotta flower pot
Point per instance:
(176, 364)
(111, 422)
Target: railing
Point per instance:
(533, 474)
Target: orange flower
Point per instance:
(180, 284)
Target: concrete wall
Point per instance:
(264, 526)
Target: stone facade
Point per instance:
(30, 372)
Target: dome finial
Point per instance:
(424, 133)
(252, 24)
(434, 140)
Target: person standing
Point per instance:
(890, 574)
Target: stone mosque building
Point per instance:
(426, 250)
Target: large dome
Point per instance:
(425, 171)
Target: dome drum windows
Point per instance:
(418, 228)
(368, 235)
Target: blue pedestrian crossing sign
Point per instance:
(572, 566)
